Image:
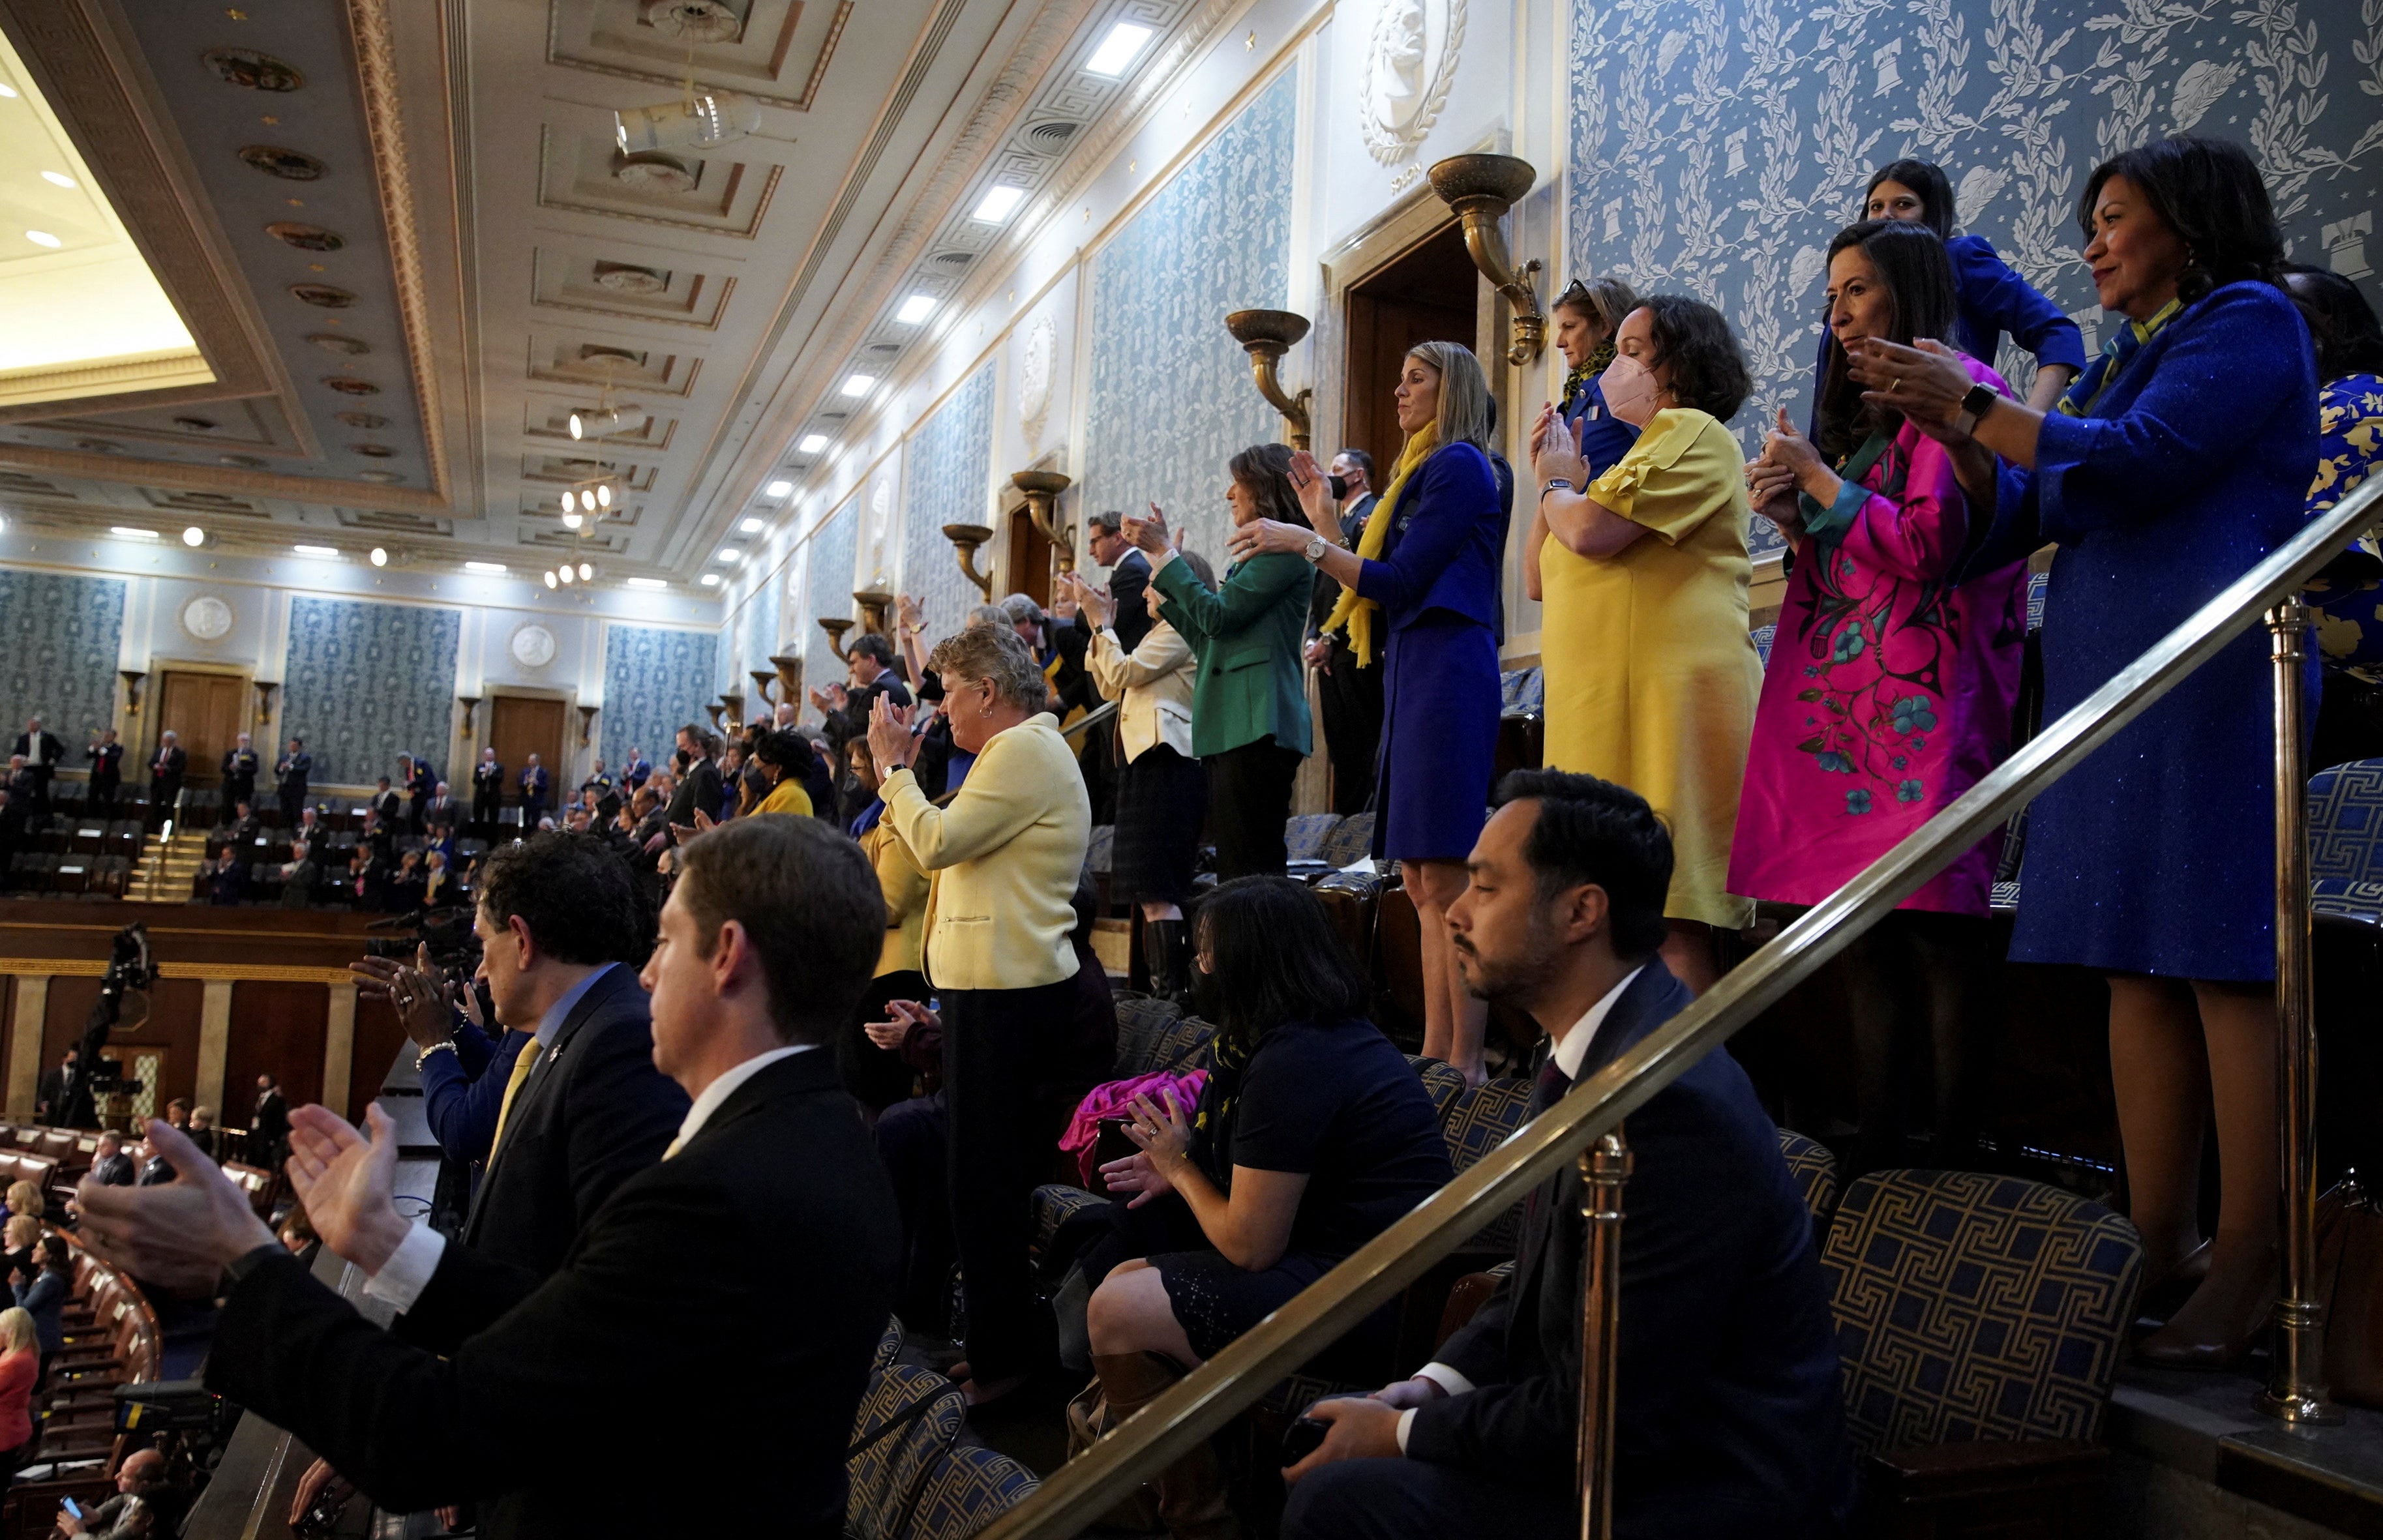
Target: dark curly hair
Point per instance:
(2209, 191)
(1707, 370)
(1912, 262)
(1593, 832)
(2349, 339)
(1925, 178)
(577, 896)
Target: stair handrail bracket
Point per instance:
(1079, 1493)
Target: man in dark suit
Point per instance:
(42, 751)
(107, 756)
(1730, 1421)
(770, 1212)
(635, 773)
(1129, 579)
(1351, 696)
(534, 783)
(166, 771)
(440, 814)
(420, 779)
(300, 876)
(226, 880)
(869, 663)
(240, 771)
(110, 1167)
(241, 828)
(488, 794)
(55, 1088)
(698, 782)
(268, 1125)
(290, 773)
(386, 805)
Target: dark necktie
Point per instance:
(1546, 1091)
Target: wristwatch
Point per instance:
(1556, 483)
(1979, 400)
(1316, 546)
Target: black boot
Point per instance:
(1168, 955)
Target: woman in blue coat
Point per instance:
(1422, 595)
(1995, 299)
(2175, 464)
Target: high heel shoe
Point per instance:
(2163, 1293)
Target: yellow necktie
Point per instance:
(525, 1062)
(676, 1144)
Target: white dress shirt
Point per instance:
(1571, 1052)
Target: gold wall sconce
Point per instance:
(966, 540)
(1269, 334)
(715, 707)
(1480, 188)
(763, 679)
(587, 720)
(873, 604)
(1043, 490)
(264, 700)
(471, 705)
(132, 678)
(790, 678)
(836, 626)
(735, 704)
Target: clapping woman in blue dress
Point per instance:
(1994, 297)
(2177, 463)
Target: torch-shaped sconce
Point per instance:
(587, 720)
(1269, 334)
(965, 539)
(715, 707)
(835, 627)
(790, 678)
(264, 700)
(735, 704)
(1480, 188)
(873, 603)
(471, 705)
(763, 679)
(1043, 490)
(132, 678)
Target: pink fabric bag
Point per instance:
(1115, 1099)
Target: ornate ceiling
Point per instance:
(405, 239)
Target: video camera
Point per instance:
(446, 930)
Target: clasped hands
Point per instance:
(891, 743)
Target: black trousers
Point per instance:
(1249, 801)
(1001, 1047)
(163, 790)
(913, 1140)
(294, 802)
(878, 1077)
(1352, 702)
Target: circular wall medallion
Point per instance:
(623, 278)
(374, 452)
(532, 647)
(1409, 63)
(306, 237)
(246, 66)
(292, 166)
(347, 387)
(323, 295)
(1036, 371)
(346, 347)
(207, 618)
(364, 420)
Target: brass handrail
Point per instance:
(1087, 1486)
(1089, 719)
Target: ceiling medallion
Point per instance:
(290, 165)
(364, 420)
(532, 647)
(1409, 64)
(246, 66)
(347, 387)
(207, 618)
(306, 237)
(384, 477)
(196, 425)
(323, 294)
(374, 452)
(692, 20)
(652, 168)
(623, 278)
(346, 347)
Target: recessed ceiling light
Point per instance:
(125, 532)
(43, 238)
(752, 526)
(485, 569)
(646, 583)
(915, 309)
(195, 537)
(859, 385)
(812, 443)
(711, 580)
(379, 557)
(729, 554)
(58, 178)
(998, 203)
(1116, 50)
(782, 488)
(323, 552)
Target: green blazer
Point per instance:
(1248, 637)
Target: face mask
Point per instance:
(1629, 390)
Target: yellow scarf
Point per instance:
(1357, 614)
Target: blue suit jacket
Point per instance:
(463, 1092)
(1442, 550)
(1730, 1418)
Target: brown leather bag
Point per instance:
(2350, 1283)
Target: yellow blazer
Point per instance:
(1152, 684)
(786, 797)
(905, 887)
(1004, 853)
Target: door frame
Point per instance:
(574, 759)
(152, 708)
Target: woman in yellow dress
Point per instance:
(1651, 676)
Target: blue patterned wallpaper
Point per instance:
(60, 662)
(829, 587)
(1717, 144)
(947, 469)
(1170, 393)
(656, 681)
(364, 683)
(759, 630)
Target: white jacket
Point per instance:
(1153, 685)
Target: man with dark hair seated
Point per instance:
(768, 1227)
(1729, 1421)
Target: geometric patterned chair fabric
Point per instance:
(1303, 835)
(1815, 1171)
(1350, 842)
(1521, 693)
(967, 1489)
(1977, 1307)
(1763, 637)
(889, 1347)
(908, 1418)
(1054, 1204)
(1484, 1118)
(2345, 815)
(1181, 1045)
(2036, 584)
(1442, 1084)
(1141, 1021)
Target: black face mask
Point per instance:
(1208, 996)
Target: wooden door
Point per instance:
(207, 711)
(520, 726)
(1030, 559)
(1427, 294)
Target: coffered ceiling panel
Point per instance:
(639, 289)
(775, 50)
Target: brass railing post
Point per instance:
(2295, 1389)
(1604, 1172)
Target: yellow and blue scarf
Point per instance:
(2082, 394)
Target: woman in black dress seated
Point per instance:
(1312, 1136)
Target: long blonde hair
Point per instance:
(16, 1329)
(1463, 393)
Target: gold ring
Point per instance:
(1897, 385)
